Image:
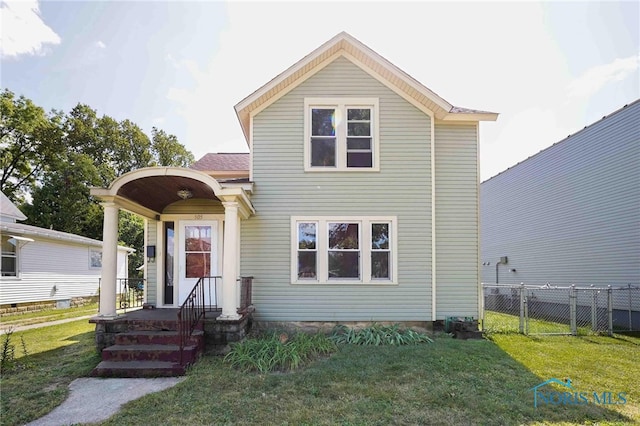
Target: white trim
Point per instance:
(480, 292)
(342, 104)
(364, 249)
(251, 148)
(404, 95)
(434, 257)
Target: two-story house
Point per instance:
(358, 201)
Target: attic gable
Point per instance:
(344, 45)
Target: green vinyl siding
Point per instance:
(457, 246)
(402, 188)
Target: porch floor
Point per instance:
(162, 314)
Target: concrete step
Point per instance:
(138, 369)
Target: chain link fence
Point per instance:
(549, 309)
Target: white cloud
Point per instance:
(101, 45)
(23, 30)
(594, 79)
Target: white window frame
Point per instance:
(16, 256)
(341, 105)
(322, 249)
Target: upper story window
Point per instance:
(341, 134)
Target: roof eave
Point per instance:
(482, 116)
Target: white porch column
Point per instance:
(230, 262)
(109, 261)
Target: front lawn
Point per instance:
(449, 382)
(446, 382)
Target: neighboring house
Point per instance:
(358, 201)
(569, 214)
(43, 267)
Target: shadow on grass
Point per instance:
(39, 382)
(449, 382)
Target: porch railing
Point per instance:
(204, 298)
(129, 293)
(246, 284)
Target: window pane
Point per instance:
(344, 264)
(358, 129)
(307, 264)
(8, 245)
(343, 236)
(8, 266)
(380, 236)
(323, 122)
(359, 143)
(307, 236)
(380, 264)
(197, 238)
(358, 114)
(323, 152)
(359, 159)
(198, 265)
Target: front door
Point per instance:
(197, 257)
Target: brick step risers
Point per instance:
(138, 369)
(169, 353)
(147, 337)
(151, 348)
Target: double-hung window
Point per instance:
(341, 134)
(344, 250)
(9, 256)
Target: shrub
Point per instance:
(278, 352)
(377, 334)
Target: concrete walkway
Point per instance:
(4, 329)
(93, 400)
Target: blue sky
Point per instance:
(548, 68)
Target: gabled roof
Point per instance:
(378, 67)
(8, 210)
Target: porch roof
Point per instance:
(150, 190)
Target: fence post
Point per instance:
(573, 310)
(522, 308)
(610, 310)
(594, 309)
(630, 311)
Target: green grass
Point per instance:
(47, 315)
(56, 355)
(499, 323)
(449, 382)
(378, 334)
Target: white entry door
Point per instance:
(197, 257)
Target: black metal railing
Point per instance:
(246, 288)
(192, 311)
(130, 293)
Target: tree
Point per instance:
(62, 201)
(167, 151)
(29, 141)
(131, 234)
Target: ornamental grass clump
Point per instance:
(278, 352)
(378, 335)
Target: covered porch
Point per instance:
(192, 237)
